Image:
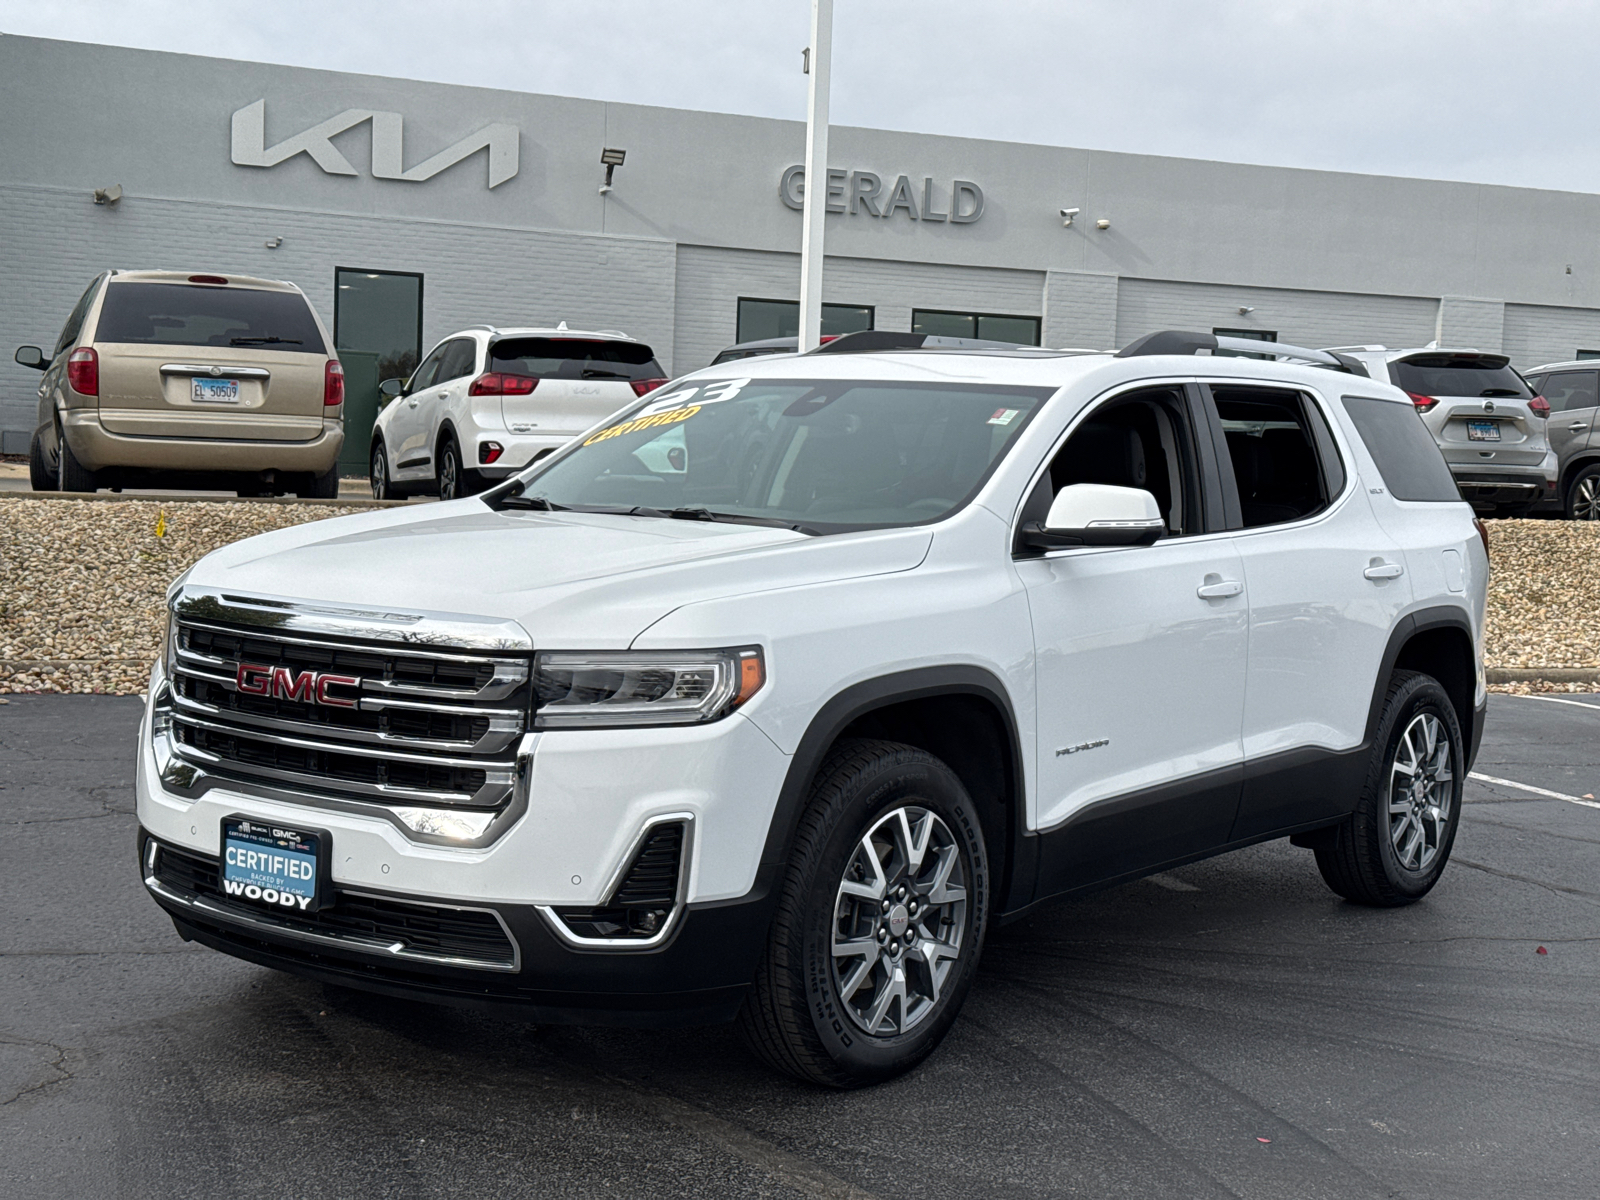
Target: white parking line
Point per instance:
(1558, 700)
(1537, 791)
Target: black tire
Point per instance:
(382, 486)
(798, 1017)
(40, 477)
(450, 474)
(1368, 860)
(320, 487)
(1583, 495)
(71, 475)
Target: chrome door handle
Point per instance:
(1384, 571)
(1576, 426)
(1219, 591)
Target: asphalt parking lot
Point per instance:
(1229, 1029)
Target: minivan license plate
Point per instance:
(214, 391)
(1483, 431)
(272, 865)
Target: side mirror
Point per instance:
(390, 388)
(32, 356)
(1097, 514)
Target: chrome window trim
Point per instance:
(618, 874)
(374, 946)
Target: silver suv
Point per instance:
(1490, 425)
(1572, 389)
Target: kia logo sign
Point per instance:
(280, 683)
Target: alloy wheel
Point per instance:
(1421, 780)
(449, 474)
(899, 921)
(380, 474)
(1586, 499)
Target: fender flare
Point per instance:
(1408, 626)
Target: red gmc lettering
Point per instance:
(288, 686)
(253, 679)
(322, 690)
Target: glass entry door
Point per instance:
(377, 327)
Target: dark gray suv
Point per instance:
(1572, 390)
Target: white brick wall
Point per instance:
(1080, 310)
(53, 242)
(1301, 318)
(711, 280)
(1469, 321)
(1539, 333)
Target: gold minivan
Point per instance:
(172, 378)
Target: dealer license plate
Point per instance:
(1483, 431)
(272, 865)
(214, 391)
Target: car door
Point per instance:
(409, 450)
(1140, 656)
(455, 376)
(1574, 399)
(1326, 586)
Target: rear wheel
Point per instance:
(1583, 495)
(71, 475)
(321, 487)
(879, 923)
(1393, 848)
(40, 477)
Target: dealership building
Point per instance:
(409, 210)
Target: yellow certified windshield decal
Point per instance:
(672, 416)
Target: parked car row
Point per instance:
(214, 381)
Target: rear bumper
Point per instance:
(698, 976)
(517, 451)
(1505, 485)
(97, 448)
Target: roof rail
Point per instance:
(865, 340)
(1176, 341)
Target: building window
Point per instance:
(989, 326)
(1254, 335)
(762, 319)
(379, 313)
(1587, 354)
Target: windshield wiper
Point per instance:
(541, 502)
(706, 514)
(597, 373)
(1500, 392)
(263, 341)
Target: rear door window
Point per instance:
(575, 358)
(189, 314)
(459, 356)
(1407, 456)
(1476, 375)
(1273, 449)
(1567, 390)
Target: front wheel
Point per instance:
(1393, 848)
(382, 488)
(451, 478)
(1583, 495)
(879, 923)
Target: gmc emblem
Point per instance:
(308, 687)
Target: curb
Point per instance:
(184, 498)
(1542, 675)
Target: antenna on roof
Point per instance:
(561, 326)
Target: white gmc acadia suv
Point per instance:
(771, 694)
(487, 402)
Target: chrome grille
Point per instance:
(421, 725)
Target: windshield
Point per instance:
(188, 314)
(574, 358)
(1459, 375)
(823, 455)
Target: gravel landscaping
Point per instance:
(82, 584)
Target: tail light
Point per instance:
(83, 372)
(215, 279)
(643, 387)
(488, 452)
(1539, 406)
(497, 383)
(1423, 403)
(332, 383)
(1483, 532)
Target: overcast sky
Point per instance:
(1495, 91)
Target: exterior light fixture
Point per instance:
(273, 243)
(611, 160)
(1246, 309)
(1102, 223)
(108, 195)
(1067, 214)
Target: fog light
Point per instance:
(489, 451)
(458, 826)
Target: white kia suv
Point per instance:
(768, 696)
(486, 402)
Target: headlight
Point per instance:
(646, 687)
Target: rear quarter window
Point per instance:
(575, 358)
(1407, 456)
(188, 314)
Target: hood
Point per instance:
(570, 579)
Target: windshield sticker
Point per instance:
(671, 417)
(1004, 416)
(661, 404)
